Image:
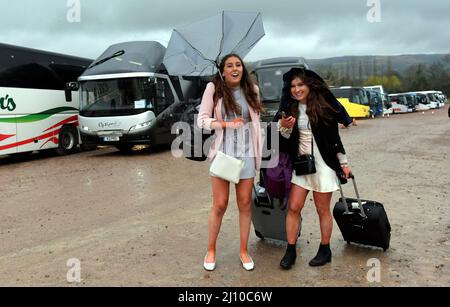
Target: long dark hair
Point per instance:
(247, 86)
(317, 108)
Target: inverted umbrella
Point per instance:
(196, 49)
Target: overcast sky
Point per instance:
(313, 29)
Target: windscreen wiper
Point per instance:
(118, 53)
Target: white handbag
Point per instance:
(227, 167)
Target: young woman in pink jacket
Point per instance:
(231, 107)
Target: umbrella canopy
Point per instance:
(196, 49)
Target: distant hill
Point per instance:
(373, 65)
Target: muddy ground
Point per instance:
(141, 219)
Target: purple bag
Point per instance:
(277, 181)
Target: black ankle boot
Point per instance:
(323, 256)
(289, 257)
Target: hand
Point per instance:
(287, 122)
(235, 123)
(346, 170)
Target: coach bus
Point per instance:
(269, 76)
(354, 99)
(38, 110)
(127, 97)
(402, 103)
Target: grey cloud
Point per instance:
(321, 28)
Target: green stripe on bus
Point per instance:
(36, 117)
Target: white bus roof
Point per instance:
(378, 88)
(280, 61)
(425, 92)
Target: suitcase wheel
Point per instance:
(258, 234)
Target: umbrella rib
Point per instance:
(194, 67)
(221, 41)
(248, 32)
(198, 51)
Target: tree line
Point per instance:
(417, 77)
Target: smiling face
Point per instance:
(232, 71)
(299, 90)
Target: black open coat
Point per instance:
(326, 132)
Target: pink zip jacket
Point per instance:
(205, 119)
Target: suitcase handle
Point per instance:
(257, 200)
(344, 200)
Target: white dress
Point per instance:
(325, 179)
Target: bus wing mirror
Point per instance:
(68, 93)
(74, 86)
(71, 86)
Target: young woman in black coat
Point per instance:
(308, 123)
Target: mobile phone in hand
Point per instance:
(283, 114)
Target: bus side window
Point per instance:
(364, 98)
(164, 96)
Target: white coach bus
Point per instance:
(127, 98)
(37, 108)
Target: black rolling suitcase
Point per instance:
(362, 221)
(269, 215)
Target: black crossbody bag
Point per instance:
(305, 164)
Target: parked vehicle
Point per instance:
(442, 98)
(269, 76)
(38, 109)
(128, 98)
(354, 100)
(435, 97)
(427, 98)
(423, 102)
(375, 103)
(387, 107)
(399, 103)
(412, 101)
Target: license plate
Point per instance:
(111, 138)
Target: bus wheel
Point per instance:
(125, 148)
(68, 141)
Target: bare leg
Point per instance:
(297, 199)
(244, 202)
(322, 202)
(221, 191)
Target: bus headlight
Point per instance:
(141, 126)
(84, 128)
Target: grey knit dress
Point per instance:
(237, 142)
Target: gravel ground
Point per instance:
(141, 219)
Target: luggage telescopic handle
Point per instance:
(344, 200)
(256, 196)
(257, 202)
